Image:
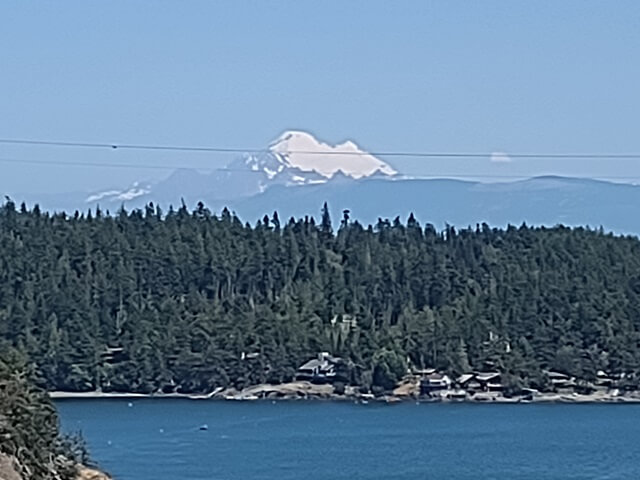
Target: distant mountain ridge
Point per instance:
(297, 173)
(546, 200)
(294, 158)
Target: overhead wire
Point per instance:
(210, 149)
(213, 149)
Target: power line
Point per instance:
(116, 146)
(124, 146)
(120, 165)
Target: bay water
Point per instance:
(170, 439)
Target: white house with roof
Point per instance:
(481, 382)
(434, 382)
(321, 369)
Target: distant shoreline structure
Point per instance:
(296, 392)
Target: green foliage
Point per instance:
(29, 426)
(388, 369)
(190, 301)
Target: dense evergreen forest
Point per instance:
(189, 301)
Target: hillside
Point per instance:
(189, 301)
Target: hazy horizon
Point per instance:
(471, 77)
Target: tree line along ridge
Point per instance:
(189, 301)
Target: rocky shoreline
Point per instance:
(10, 469)
(308, 391)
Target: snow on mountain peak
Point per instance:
(303, 151)
(294, 158)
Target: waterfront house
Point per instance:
(557, 378)
(318, 370)
(561, 382)
(529, 393)
(464, 379)
(490, 381)
(422, 372)
(603, 380)
(434, 382)
(469, 383)
(480, 382)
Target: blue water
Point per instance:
(160, 439)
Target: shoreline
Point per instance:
(308, 392)
(63, 395)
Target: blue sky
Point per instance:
(510, 76)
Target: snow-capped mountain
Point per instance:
(294, 158)
(302, 151)
(297, 173)
(298, 158)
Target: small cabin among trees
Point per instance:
(318, 370)
(434, 382)
(481, 382)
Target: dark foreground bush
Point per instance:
(29, 428)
